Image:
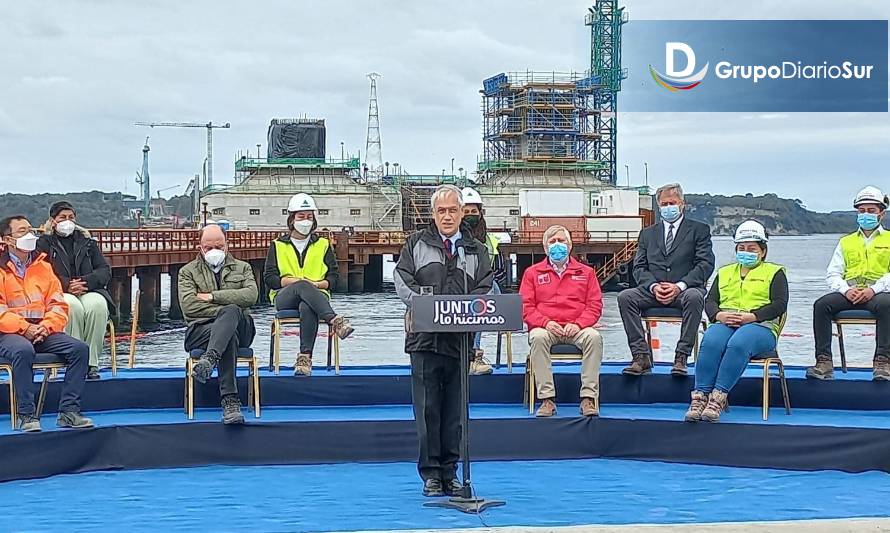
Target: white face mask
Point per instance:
(65, 228)
(26, 243)
(304, 227)
(215, 258)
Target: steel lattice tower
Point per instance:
(605, 20)
(373, 147)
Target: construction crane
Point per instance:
(159, 191)
(209, 125)
(142, 178)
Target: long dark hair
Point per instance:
(481, 229)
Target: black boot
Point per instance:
(203, 368)
(231, 406)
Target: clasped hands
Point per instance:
(860, 296)
(569, 330)
(665, 292)
(36, 333)
(735, 319)
(77, 287)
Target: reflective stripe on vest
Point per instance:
(491, 244)
(752, 292)
(864, 263)
(314, 268)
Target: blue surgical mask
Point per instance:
(670, 213)
(558, 251)
(867, 221)
(747, 259)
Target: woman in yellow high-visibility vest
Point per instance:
(300, 272)
(475, 219)
(746, 305)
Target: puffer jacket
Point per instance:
(423, 262)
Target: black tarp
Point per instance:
(296, 138)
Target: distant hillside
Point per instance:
(781, 216)
(95, 209)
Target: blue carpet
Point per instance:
(386, 496)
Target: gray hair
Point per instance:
(445, 190)
(553, 230)
(672, 188)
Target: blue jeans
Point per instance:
(477, 339)
(19, 351)
(725, 352)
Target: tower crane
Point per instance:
(209, 125)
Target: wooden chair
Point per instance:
(50, 364)
(112, 345)
(505, 338)
(766, 360)
(245, 356)
(668, 315)
(292, 318)
(853, 317)
(558, 352)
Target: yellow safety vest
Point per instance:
(752, 292)
(314, 268)
(491, 244)
(864, 263)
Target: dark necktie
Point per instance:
(449, 248)
(669, 241)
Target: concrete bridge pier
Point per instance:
(341, 252)
(175, 309)
(121, 289)
(257, 267)
(373, 278)
(150, 286)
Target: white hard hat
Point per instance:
(471, 196)
(750, 231)
(301, 202)
(870, 195)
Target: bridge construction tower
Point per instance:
(373, 166)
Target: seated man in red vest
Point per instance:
(561, 302)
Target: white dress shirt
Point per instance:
(837, 266)
(667, 226)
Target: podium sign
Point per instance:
(466, 313)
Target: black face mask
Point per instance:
(472, 220)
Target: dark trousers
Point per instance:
(231, 329)
(830, 304)
(632, 303)
(435, 392)
(312, 304)
(20, 352)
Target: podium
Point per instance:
(466, 314)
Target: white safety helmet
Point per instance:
(870, 195)
(471, 196)
(750, 231)
(301, 202)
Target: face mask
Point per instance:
(747, 259)
(303, 227)
(670, 213)
(867, 221)
(65, 228)
(26, 243)
(558, 252)
(472, 220)
(214, 257)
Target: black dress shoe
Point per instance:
(432, 488)
(453, 487)
(93, 374)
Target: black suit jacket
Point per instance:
(690, 259)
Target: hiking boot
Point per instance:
(881, 368)
(303, 366)
(29, 423)
(203, 367)
(588, 407)
(641, 365)
(548, 408)
(73, 419)
(93, 374)
(231, 406)
(432, 488)
(342, 327)
(479, 366)
(823, 370)
(679, 368)
(453, 488)
(698, 404)
(716, 406)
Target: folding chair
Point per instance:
(668, 315)
(245, 355)
(558, 352)
(292, 318)
(505, 338)
(49, 364)
(853, 317)
(112, 344)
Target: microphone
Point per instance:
(461, 253)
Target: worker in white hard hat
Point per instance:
(859, 280)
(300, 271)
(746, 305)
(474, 217)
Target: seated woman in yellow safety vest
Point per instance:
(747, 303)
(300, 271)
(475, 219)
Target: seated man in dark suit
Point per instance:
(673, 263)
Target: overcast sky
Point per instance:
(76, 75)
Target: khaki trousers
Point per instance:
(588, 340)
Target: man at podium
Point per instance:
(444, 258)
